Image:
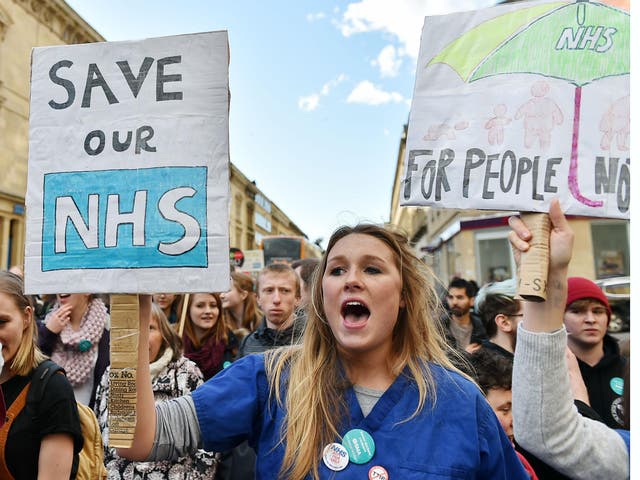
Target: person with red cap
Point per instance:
(586, 317)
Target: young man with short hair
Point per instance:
(278, 294)
(586, 318)
(501, 313)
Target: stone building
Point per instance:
(253, 216)
(24, 24)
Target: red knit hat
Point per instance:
(580, 288)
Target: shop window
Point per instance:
(610, 249)
(493, 256)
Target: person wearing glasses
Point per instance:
(501, 313)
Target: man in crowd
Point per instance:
(501, 313)
(278, 294)
(463, 329)
(586, 319)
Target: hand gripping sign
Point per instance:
(128, 181)
(520, 103)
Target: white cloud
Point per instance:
(312, 17)
(367, 93)
(311, 102)
(403, 19)
(388, 61)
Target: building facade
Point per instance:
(25, 24)
(474, 244)
(253, 216)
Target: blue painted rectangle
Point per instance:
(158, 229)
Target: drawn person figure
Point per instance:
(616, 124)
(435, 132)
(496, 124)
(371, 373)
(541, 115)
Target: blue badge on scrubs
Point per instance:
(360, 445)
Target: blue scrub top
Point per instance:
(457, 438)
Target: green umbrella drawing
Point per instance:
(579, 42)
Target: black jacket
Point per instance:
(264, 338)
(602, 379)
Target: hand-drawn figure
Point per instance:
(496, 124)
(540, 115)
(436, 132)
(615, 124)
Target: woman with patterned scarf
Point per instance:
(172, 375)
(75, 334)
(207, 339)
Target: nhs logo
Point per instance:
(138, 218)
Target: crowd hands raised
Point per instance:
(345, 368)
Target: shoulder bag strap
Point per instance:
(13, 411)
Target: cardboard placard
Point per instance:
(517, 104)
(128, 185)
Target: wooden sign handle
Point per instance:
(123, 370)
(183, 314)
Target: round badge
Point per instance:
(617, 411)
(378, 473)
(335, 457)
(226, 364)
(84, 345)
(617, 385)
(360, 445)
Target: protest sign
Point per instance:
(253, 261)
(517, 104)
(128, 181)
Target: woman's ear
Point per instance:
(28, 317)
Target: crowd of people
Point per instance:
(351, 366)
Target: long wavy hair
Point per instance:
(219, 330)
(314, 398)
(28, 355)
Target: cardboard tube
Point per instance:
(534, 264)
(123, 371)
(183, 314)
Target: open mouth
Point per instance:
(354, 312)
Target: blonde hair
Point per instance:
(28, 355)
(314, 400)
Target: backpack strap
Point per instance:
(15, 408)
(39, 381)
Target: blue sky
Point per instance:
(320, 91)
